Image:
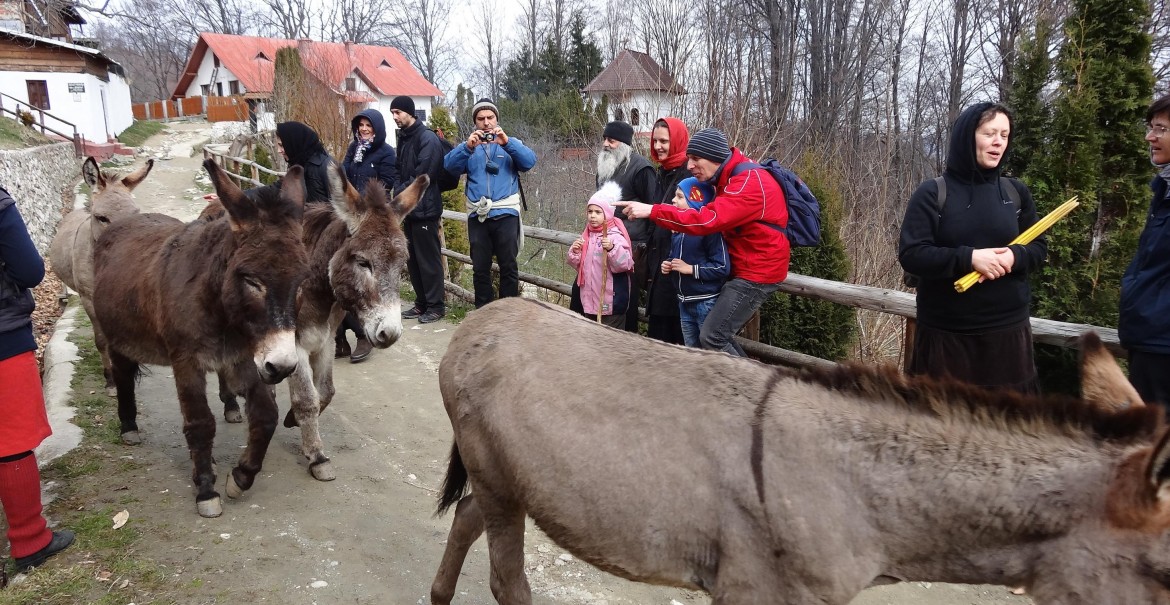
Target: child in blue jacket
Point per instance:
(700, 263)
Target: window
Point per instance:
(215, 60)
(219, 89)
(634, 117)
(351, 84)
(205, 90)
(420, 115)
(38, 93)
(619, 115)
(234, 87)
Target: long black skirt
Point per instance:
(1002, 358)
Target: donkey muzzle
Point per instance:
(276, 357)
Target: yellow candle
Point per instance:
(1024, 238)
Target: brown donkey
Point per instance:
(207, 296)
(71, 252)
(766, 486)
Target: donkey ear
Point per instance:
(92, 173)
(1103, 384)
(292, 189)
(241, 211)
(405, 201)
(346, 201)
(133, 179)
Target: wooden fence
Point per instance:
(216, 109)
(882, 300)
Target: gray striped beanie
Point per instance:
(709, 143)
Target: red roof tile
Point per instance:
(252, 59)
(632, 70)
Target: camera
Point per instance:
(492, 167)
(487, 136)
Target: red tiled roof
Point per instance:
(632, 70)
(252, 60)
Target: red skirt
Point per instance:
(24, 424)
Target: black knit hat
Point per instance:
(619, 131)
(711, 144)
(403, 103)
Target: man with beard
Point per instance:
(668, 147)
(635, 175)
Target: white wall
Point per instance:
(204, 77)
(650, 106)
(84, 110)
(383, 105)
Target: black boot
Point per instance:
(342, 348)
(362, 350)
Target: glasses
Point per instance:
(1157, 130)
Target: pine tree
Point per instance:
(1094, 149)
(1031, 114)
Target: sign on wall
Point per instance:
(77, 87)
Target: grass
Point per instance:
(138, 132)
(104, 565)
(14, 135)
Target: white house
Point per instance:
(75, 86)
(363, 76)
(638, 90)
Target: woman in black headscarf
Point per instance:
(301, 146)
(981, 336)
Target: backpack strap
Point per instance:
(744, 167)
(1012, 193)
(941, 198)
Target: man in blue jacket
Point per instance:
(492, 161)
(1144, 321)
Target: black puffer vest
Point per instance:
(16, 303)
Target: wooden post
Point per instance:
(908, 342)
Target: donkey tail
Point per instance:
(455, 483)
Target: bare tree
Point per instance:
(615, 27)
(290, 19)
(1159, 30)
(420, 33)
(665, 25)
(152, 46)
(489, 61)
(530, 9)
(237, 17)
(360, 21)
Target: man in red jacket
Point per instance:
(750, 211)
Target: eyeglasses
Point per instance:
(1157, 130)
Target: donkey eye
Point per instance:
(254, 284)
(364, 264)
(102, 219)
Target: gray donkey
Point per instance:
(765, 486)
(71, 252)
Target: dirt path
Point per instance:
(370, 536)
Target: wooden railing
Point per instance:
(882, 300)
(235, 165)
(40, 116)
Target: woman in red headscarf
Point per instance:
(668, 147)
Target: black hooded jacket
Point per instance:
(420, 152)
(977, 214)
(303, 148)
(379, 161)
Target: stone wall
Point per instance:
(39, 179)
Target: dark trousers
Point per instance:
(425, 263)
(498, 237)
(1150, 375)
(350, 322)
(737, 301)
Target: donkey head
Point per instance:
(111, 199)
(365, 272)
(265, 267)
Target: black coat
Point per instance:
(420, 152)
(639, 183)
(662, 297)
(379, 161)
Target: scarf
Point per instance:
(363, 145)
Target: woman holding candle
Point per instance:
(981, 336)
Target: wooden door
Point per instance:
(38, 94)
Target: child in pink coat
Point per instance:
(603, 260)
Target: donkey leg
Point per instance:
(199, 429)
(260, 405)
(231, 409)
(466, 528)
(303, 393)
(103, 347)
(125, 373)
(505, 532)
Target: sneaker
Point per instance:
(361, 351)
(412, 313)
(61, 540)
(431, 315)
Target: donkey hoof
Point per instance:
(111, 391)
(132, 438)
(233, 490)
(233, 416)
(323, 471)
(210, 508)
(290, 420)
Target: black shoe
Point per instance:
(431, 315)
(412, 313)
(361, 351)
(61, 540)
(342, 349)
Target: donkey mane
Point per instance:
(1003, 409)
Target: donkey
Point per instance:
(207, 296)
(762, 485)
(71, 252)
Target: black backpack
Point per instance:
(1013, 194)
(445, 181)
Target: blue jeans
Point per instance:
(736, 303)
(692, 313)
